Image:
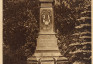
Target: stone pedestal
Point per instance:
(47, 46)
(47, 51)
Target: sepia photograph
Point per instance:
(47, 32)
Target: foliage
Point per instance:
(20, 29)
(66, 21)
(20, 25)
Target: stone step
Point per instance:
(48, 45)
(47, 54)
(46, 37)
(40, 40)
(47, 51)
(47, 42)
(46, 0)
(46, 48)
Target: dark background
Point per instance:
(21, 27)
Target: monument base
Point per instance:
(47, 51)
(47, 60)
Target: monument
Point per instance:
(47, 51)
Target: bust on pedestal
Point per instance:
(47, 51)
